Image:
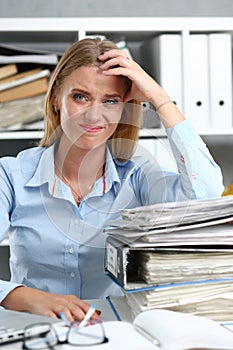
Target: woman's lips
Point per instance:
(91, 128)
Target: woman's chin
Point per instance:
(89, 144)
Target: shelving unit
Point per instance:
(56, 34)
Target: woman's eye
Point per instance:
(111, 101)
(79, 97)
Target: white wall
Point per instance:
(103, 8)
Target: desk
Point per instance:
(122, 335)
(107, 313)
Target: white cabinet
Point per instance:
(56, 34)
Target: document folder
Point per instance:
(220, 87)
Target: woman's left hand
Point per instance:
(144, 87)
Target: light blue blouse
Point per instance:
(57, 246)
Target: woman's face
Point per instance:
(90, 105)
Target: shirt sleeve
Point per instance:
(6, 196)
(198, 171)
(7, 287)
(6, 200)
(197, 175)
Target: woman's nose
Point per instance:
(93, 113)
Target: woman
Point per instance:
(55, 199)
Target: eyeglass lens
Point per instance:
(90, 335)
(44, 336)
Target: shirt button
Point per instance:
(71, 250)
(76, 221)
(72, 274)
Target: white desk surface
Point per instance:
(117, 341)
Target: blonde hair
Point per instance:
(85, 53)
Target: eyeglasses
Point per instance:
(45, 336)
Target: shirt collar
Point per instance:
(117, 172)
(44, 172)
(112, 177)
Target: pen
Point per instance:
(88, 316)
(148, 336)
(63, 317)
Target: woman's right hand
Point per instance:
(47, 304)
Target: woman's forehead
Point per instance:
(92, 78)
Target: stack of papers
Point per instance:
(176, 222)
(213, 300)
(18, 114)
(176, 256)
(183, 265)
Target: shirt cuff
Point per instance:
(6, 288)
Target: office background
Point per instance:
(107, 8)
(119, 8)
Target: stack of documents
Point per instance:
(24, 78)
(194, 220)
(19, 114)
(212, 300)
(171, 265)
(177, 256)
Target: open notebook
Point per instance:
(12, 324)
(163, 330)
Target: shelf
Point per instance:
(20, 135)
(113, 24)
(144, 133)
(160, 132)
(69, 29)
